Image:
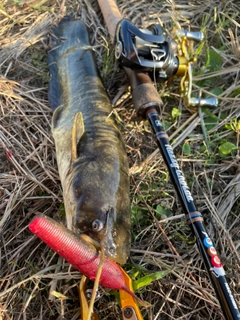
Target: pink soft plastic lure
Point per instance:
(79, 253)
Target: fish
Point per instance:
(90, 151)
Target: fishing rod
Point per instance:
(146, 55)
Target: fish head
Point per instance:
(100, 223)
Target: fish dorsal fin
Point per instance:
(77, 133)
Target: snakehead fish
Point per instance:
(91, 156)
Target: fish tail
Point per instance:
(65, 38)
(54, 92)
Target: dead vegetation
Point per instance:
(29, 182)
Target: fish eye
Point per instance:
(112, 250)
(97, 225)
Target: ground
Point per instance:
(205, 141)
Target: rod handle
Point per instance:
(144, 93)
(111, 15)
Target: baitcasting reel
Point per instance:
(162, 57)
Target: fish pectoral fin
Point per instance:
(77, 133)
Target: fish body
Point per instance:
(91, 155)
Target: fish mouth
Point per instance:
(107, 233)
(116, 240)
(113, 245)
(108, 241)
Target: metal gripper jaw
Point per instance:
(162, 56)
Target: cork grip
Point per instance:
(145, 96)
(111, 15)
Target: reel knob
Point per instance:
(191, 35)
(202, 102)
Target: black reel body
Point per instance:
(154, 52)
(150, 50)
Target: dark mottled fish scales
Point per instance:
(95, 182)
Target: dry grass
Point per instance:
(29, 181)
